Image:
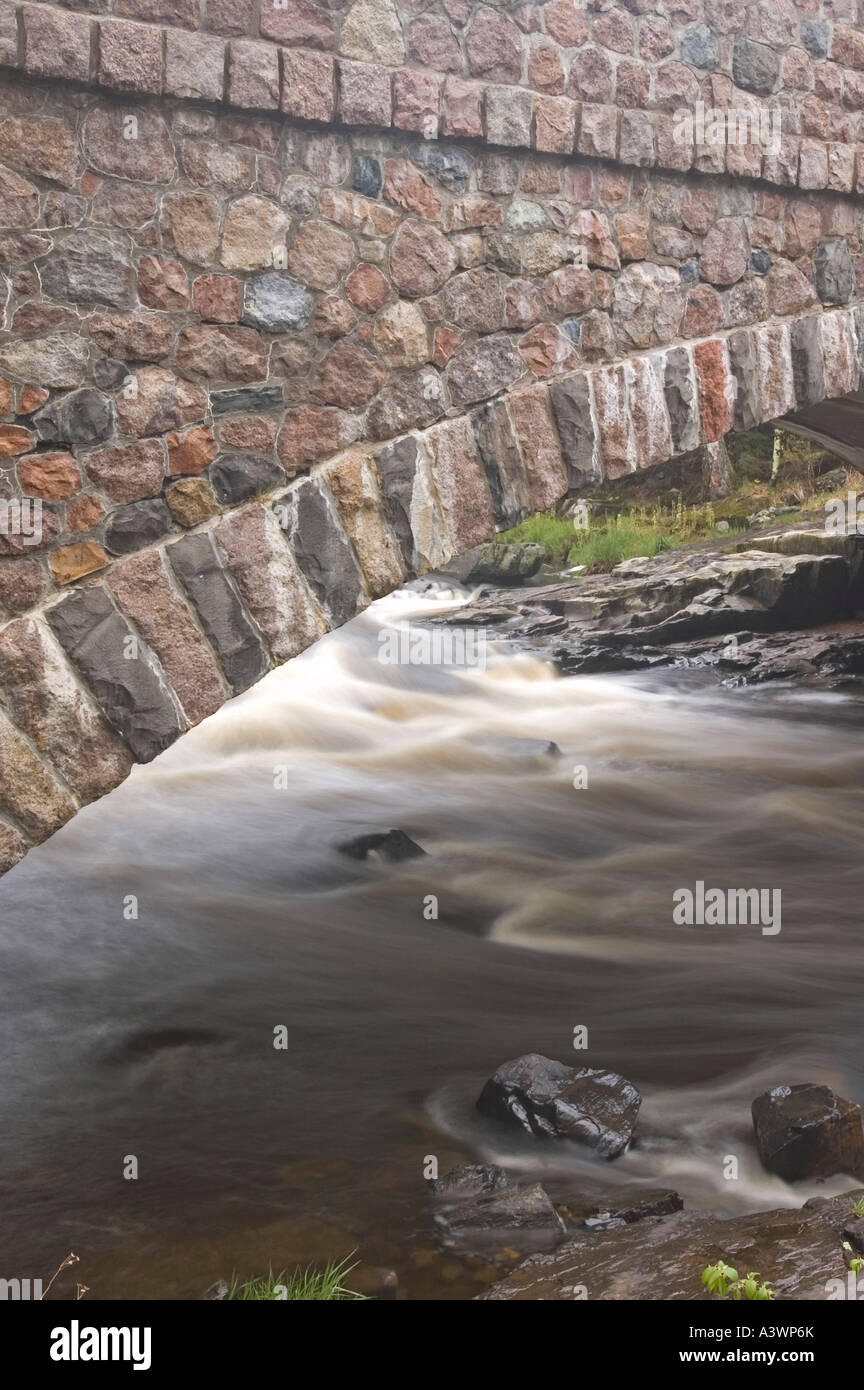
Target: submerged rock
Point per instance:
(390, 845)
(375, 1281)
(808, 1131)
(550, 1100)
(142, 1045)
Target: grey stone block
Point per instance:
(502, 461)
(222, 615)
(89, 269)
(755, 66)
(252, 398)
(130, 689)
(742, 360)
(808, 367)
(397, 466)
(833, 272)
(136, 526)
(84, 417)
(238, 477)
(308, 515)
(276, 303)
(682, 401)
(570, 398)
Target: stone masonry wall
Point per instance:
(300, 300)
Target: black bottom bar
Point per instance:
(225, 1339)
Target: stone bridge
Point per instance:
(302, 299)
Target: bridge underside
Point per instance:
(837, 425)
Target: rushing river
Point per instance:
(152, 1036)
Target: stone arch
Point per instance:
(297, 303)
(114, 671)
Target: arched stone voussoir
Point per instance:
(112, 672)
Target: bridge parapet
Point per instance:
(513, 74)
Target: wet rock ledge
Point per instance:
(800, 1251)
(792, 598)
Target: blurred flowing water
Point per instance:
(153, 1036)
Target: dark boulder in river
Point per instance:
(391, 845)
(551, 1100)
(808, 1132)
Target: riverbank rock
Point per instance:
(634, 1206)
(801, 1252)
(808, 1132)
(497, 563)
(550, 1100)
(710, 595)
(390, 845)
(831, 655)
(514, 1208)
(469, 1180)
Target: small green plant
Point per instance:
(855, 1263)
(858, 1206)
(303, 1286)
(721, 1279)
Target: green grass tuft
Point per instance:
(609, 540)
(554, 533)
(307, 1285)
(603, 549)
